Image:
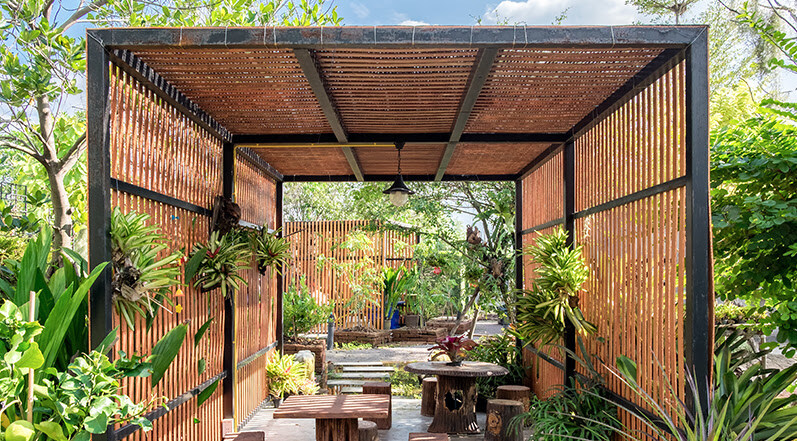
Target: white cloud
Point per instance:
(359, 9)
(543, 12)
(413, 23)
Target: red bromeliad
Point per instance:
(454, 346)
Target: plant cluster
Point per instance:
(284, 375)
(141, 279)
(552, 301)
(270, 250)
(502, 350)
(397, 281)
(301, 311)
(455, 347)
(216, 264)
(728, 313)
(405, 384)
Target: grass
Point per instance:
(403, 383)
(351, 346)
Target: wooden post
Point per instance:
(499, 414)
(428, 396)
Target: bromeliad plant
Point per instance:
(552, 301)
(455, 347)
(284, 375)
(216, 264)
(141, 280)
(270, 250)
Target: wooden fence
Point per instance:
(311, 240)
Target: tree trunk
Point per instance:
(62, 212)
(473, 299)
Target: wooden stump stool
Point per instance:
(381, 388)
(517, 393)
(429, 396)
(418, 436)
(368, 431)
(499, 414)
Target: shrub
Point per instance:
(285, 375)
(302, 313)
(503, 351)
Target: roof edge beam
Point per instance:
(311, 72)
(391, 138)
(389, 178)
(138, 69)
(478, 77)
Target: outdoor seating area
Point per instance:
(600, 133)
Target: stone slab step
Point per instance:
(368, 369)
(357, 363)
(359, 375)
(345, 382)
(351, 390)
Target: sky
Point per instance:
(468, 12)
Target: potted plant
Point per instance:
(284, 376)
(455, 347)
(396, 282)
(270, 250)
(216, 264)
(412, 319)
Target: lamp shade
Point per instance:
(398, 192)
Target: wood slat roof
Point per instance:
(386, 82)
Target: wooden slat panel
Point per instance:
(543, 193)
(303, 160)
(416, 159)
(493, 159)
(312, 239)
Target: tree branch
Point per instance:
(80, 13)
(71, 156)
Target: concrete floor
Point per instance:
(406, 418)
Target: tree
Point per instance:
(660, 7)
(42, 67)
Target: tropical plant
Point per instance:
(216, 264)
(455, 347)
(141, 280)
(396, 282)
(284, 375)
(744, 406)
(501, 349)
(301, 311)
(270, 250)
(552, 301)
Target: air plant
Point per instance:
(141, 281)
(216, 264)
(270, 250)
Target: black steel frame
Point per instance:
(116, 46)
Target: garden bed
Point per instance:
(418, 335)
(371, 337)
(447, 323)
(317, 347)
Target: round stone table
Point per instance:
(455, 410)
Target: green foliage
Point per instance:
(658, 7)
(141, 280)
(743, 402)
(301, 311)
(553, 298)
(270, 250)
(397, 281)
(284, 375)
(502, 350)
(728, 313)
(754, 201)
(352, 346)
(216, 264)
(165, 350)
(404, 384)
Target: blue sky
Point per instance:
(465, 12)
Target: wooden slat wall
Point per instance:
(636, 251)
(255, 303)
(155, 147)
(312, 239)
(635, 293)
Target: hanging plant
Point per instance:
(141, 281)
(271, 250)
(216, 264)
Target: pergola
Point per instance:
(604, 130)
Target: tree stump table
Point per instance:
(335, 415)
(455, 407)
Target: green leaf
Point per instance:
(206, 393)
(201, 365)
(96, 423)
(627, 368)
(166, 350)
(192, 266)
(31, 358)
(52, 430)
(201, 331)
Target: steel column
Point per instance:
(228, 354)
(98, 141)
(280, 278)
(698, 262)
(568, 176)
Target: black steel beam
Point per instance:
(543, 226)
(633, 197)
(259, 162)
(402, 37)
(648, 75)
(699, 323)
(518, 238)
(255, 356)
(150, 79)
(478, 76)
(389, 178)
(280, 331)
(569, 195)
(309, 66)
(130, 429)
(390, 138)
(158, 197)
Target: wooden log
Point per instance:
(343, 429)
(381, 388)
(515, 392)
(418, 436)
(429, 396)
(368, 431)
(499, 414)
